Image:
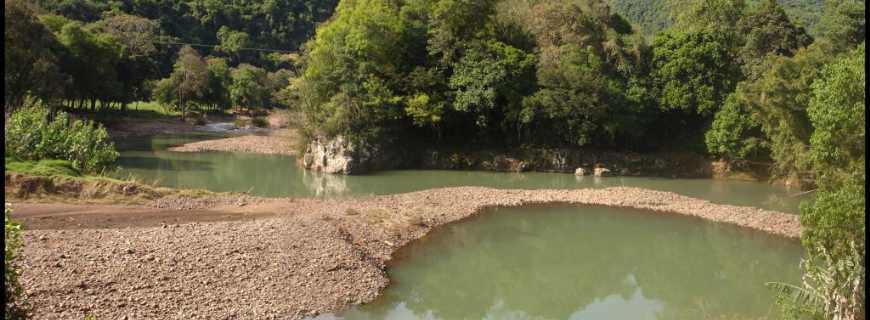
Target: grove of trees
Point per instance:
(104, 55)
(740, 80)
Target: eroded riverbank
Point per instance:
(299, 257)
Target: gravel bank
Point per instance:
(305, 257)
(275, 142)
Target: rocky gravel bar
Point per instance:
(276, 141)
(292, 258)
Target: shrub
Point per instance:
(31, 134)
(259, 122)
(16, 307)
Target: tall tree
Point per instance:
(29, 55)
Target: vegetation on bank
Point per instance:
(14, 300)
(834, 227)
(33, 134)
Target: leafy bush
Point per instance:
(31, 134)
(16, 307)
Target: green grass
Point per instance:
(46, 168)
(135, 110)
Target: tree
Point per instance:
(31, 63)
(768, 31)
(218, 92)
(232, 42)
(249, 87)
(834, 224)
(351, 74)
(693, 71)
(735, 135)
(188, 83)
(843, 24)
(490, 81)
(136, 37)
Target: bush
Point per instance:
(32, 135)
(16, 307)
(259, 122)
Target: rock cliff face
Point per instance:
(336, 156)
(615, 163)
(339, 156)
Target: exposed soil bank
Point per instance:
(276, 258)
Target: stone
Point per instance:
(336, 156)
(580, 172)
(600, 172)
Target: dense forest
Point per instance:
(103, 55)
(652, 16)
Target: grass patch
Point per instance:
(139, 110)
(45, 168)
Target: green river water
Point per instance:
(585, 263)
(279, 176)
(549, 262)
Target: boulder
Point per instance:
(336, 156)
(600, 172)
(580, 172)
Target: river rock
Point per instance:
(599, 172)
(336, 156)
(580, 172)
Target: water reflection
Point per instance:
(616, 306)
(325, 185)
(279, 176)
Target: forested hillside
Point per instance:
(656, 15)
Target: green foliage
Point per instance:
(43, 167)
(551, 69)
(838, 116)
(29, 56)
(16, 307)
(350, 75)
(31, 134)
(843, 23)
(735, 135)
(768, 31)
(488, 75)
(249, 87)
(834, 229)
(693, 71)
(188, 85)
(653, 16)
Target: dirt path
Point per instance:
(58, 216)
(274, 258)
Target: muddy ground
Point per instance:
(272, 258)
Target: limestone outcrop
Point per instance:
(336, 156)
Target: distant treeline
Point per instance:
(102, 55)
(652, 16)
